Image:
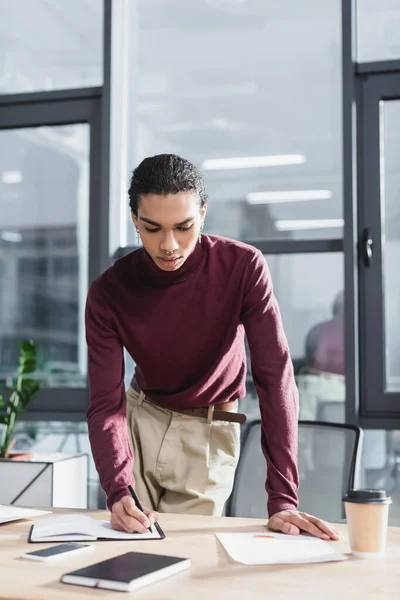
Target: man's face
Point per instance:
(169, 227)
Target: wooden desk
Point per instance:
(213, 576)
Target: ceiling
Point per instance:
(50, 44)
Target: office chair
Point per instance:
(122, 251)
(329, 464)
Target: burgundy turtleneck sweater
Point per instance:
(185, 332)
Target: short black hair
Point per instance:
(165, 174)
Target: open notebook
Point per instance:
(75, 528)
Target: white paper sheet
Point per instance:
(269, 548)
(13, 513)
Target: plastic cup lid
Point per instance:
(367, 497)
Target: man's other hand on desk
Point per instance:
(125, 516)
(293, 522)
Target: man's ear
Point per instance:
(203, 212)
(134, 219)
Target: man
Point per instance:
(325, 341)
(180, 306)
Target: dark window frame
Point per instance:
(380, 407)
(64, 106)
(52, 110)
(77, 106)
(68, 107)
(360, 370)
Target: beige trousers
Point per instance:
(182, 464)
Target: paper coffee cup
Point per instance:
(367, 513)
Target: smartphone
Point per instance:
(54, 552)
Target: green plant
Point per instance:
(22, 390)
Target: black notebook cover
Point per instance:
(126, 567)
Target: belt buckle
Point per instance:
(210, 413)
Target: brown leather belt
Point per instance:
(215, 412)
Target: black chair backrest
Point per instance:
(123, 251)
(329, 462)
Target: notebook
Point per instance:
(76, 528)
(127, 572)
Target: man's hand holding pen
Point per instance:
(126, 516)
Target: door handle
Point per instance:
(367, 247)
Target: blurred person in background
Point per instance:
(325, 341)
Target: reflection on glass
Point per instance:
(390, 195)
(50, 45)
(380, 466)
(308, 288)
(44, 195)
(378, 26)
(257, 107)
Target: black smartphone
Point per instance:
(53, 552)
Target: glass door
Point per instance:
(44, 240)
(379, 246)
(52, 222)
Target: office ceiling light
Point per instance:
(11, 177)
(248, 162)
(11, 236)
(309, 224)
(230, 6)
(289, 196)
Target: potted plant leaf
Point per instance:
(22, 390)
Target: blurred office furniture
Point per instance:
(56, 479)
(329, 463)
(317, 388)
(322, 398)
(122, 251)
(55, 438)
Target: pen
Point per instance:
(136, 500)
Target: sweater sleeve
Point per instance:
(276, 387)
(106, 414)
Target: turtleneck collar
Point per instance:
(152, 275)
